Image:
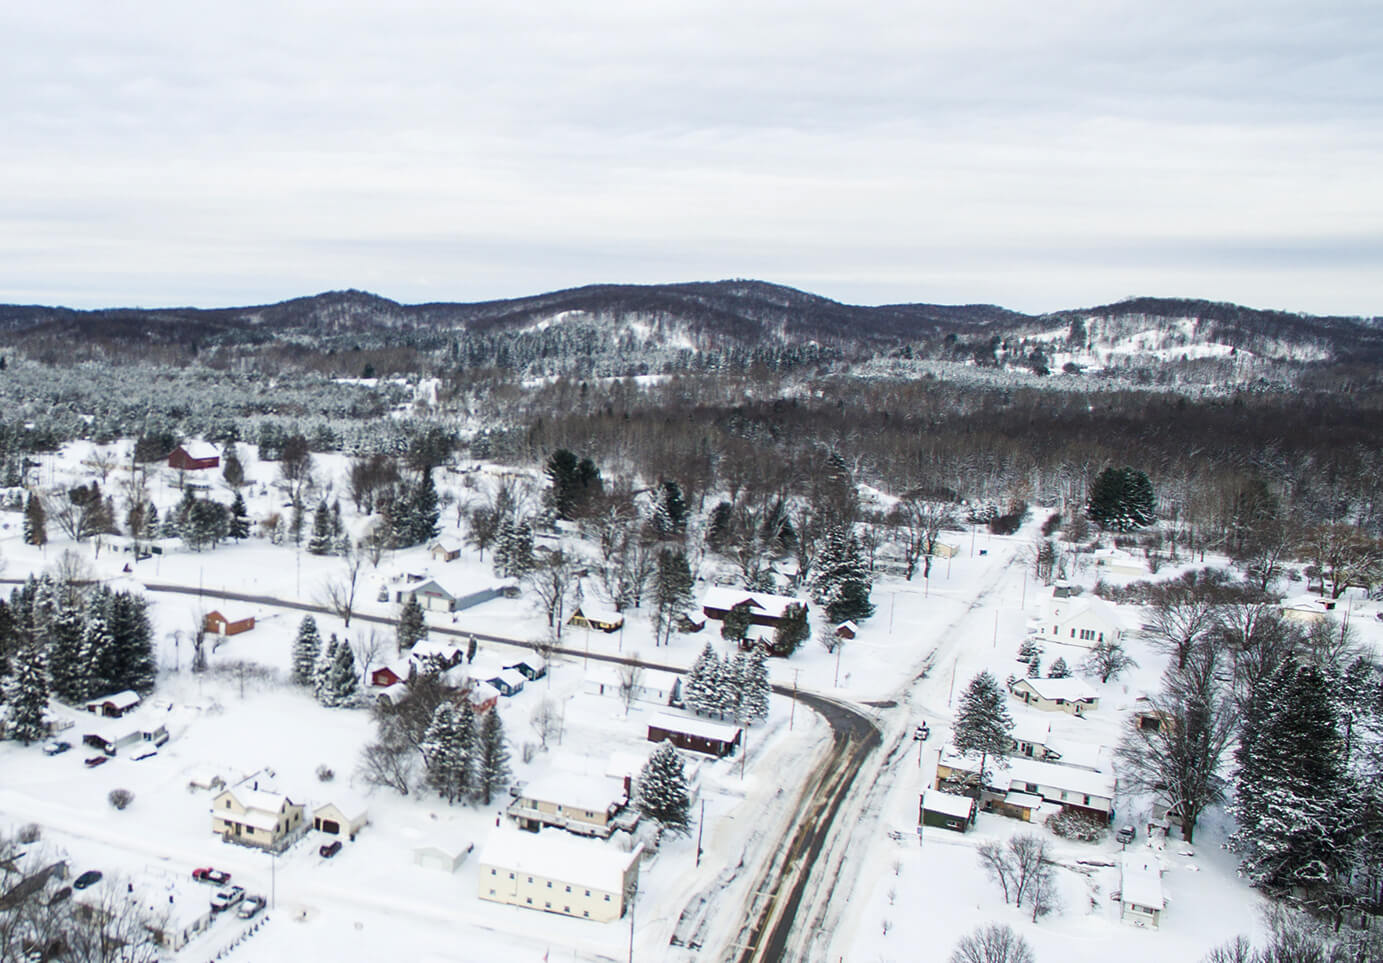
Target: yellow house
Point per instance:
(251, 816)
(557, 873)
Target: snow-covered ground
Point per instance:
(910, 661)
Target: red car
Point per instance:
(95, 761)
(208, 875)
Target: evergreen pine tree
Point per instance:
(669, 509)
(1121, 500)
(756, 685)
(672, 591)
(983, 723)
(320, 542)
(842, 581)
(412, 624)
(1293, 806)
(321, 675)
(343, 680)
(735, 625)
(134, 664)
(151, 526)
(493, 757)
(700, 696)
(35, 521)
(1035, 667)
(792, 630)
(68, 673)
(239, 518)
(231, 468)
(98, 652)
(1058, 669)
(26, 697)
(732, 687)
(307, 650)
(662, 793)
(425, 513)
(446, 753)
(470, 736)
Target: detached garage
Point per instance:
(946, 810)
(340, 818)
(445, 857)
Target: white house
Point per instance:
(1140, 889)
(430, 595)
(1307, 608)
(1057, 695)
(1017, 787)
(650, 685)
(557, 874)
(178, 909)
(1082, 621)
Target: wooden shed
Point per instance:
(947, 811)
(194, 457)
(219, 624)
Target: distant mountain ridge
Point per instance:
(716, 315)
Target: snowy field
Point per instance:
(885, 895)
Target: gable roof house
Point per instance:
(764, 609)
(445, 549)
(1081, 621)
(430, 595)
(695, 734)
(1070, 695)
(1140, 889)
(194, 456)
(508, 682)
(1018, 787)
(581, 804)
(531, 667)
(650, 685)
(557, 874)
(947, 811)
(344, 816)
(115, 705)
(250, 816)
(589, 616)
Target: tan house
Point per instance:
(250, 816)
(591, 617)
(1056, 695)
(555, 873)
(581, 804)
(445, 550)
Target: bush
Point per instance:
(324, 774)
(1073, 824)
(1052, 523)
(29, 833)
(1010, 521)
(120, 798)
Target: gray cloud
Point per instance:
(159, 154)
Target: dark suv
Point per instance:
(330, 849)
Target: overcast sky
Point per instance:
(1036, 155)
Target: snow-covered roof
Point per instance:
(452, 848)
(1070, 688)
(1308, 604)
(656, 680)
(597, 613)
(693, 726)
(1141, 881)
(258, 818)
(934, 800)
(424, 648)
(1082, 755)
(394, 694)
(559, 856)
(483, 692)
(575, 790)
(262, 799)
(623, 764)
(1029, 728)
(1021, 770)
(200, 449)
(121, 700)
(447, 544)
(719, 597)
(430, 587)
(1063, 610)
(511, 677)
(848, 624)
(1027, 800)
(352, 808)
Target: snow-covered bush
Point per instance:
(120, 798)
(324, 774)
(1073, 824)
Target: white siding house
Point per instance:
(556, 873)
(1082, 621)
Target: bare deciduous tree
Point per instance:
(338, 591)
(630, 679)
(992, 944)
(546, 721)
(553, 580)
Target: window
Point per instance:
(530, 879)
(511, 875)
(588, 892)
(547, 906)
(1087, 800)
(1030, 786)
(492, 892)
(549, 884)
(566, 909)
(586, 913)
(607, 897)
(528, 900)
(568, 889)
(494, 872)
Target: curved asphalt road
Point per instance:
(777, 894)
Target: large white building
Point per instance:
(1081, 621)
(557, 873)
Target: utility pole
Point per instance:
(744, 752)
(700, 825)
(1024, 603)
(792, 712)
(996, 628)
(839, 645)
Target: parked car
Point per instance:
(56, 746)
(90, 878)
(93, 761)
(226, 898)
(208, 875)
(1125, 835)
(330, 849)
(921, 733)
(251, 906)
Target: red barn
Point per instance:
(194, 456)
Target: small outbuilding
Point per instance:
(947, 811)
(445, 550)
(508, 682)
(847, 630)
(443, 856)
(531, 667)
(114, 706)
(1140, 889)
(342, 817)
(218, 624)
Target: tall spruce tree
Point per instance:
(1121, 500)
(1294, 805)
(702, 682)
(672, 591)
(35, 521)
(662, 793)
(69, 673)
(26, 697)
(735, 626)
(792, 630)
(320, 542)
(425, 513)
(492, 762)
(239, 527)
(983, 724)
(447, 753)
(842, 582)
(756, 685)
(307, 650)
(231, 468)
(412, 625)
(342, 679)
(134, 664)
(321, 674)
